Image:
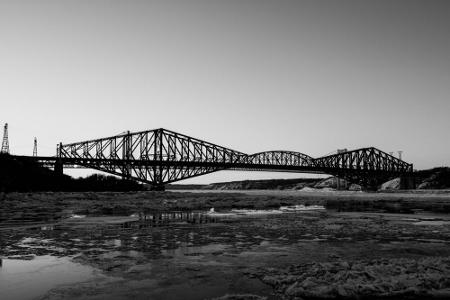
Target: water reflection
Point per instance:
(47, 221)
(211, 216)
(169, 218)
(24, 280)
(119, 244)
(29, 216)
(153, 232)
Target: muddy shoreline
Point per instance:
(379, 246)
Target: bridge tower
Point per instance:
(158, 184)
(5, 144)
(338, 178)
(59, 166)
(35, 147)
(127, 155)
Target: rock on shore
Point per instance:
(393, 184)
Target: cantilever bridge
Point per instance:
(162, 156)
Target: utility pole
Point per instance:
(5, 144)
(35, 147)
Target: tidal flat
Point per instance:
(225, 245)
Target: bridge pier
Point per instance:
(59, 167)
(158, 187)
(407, 182)
(371, 184)
(341, 183)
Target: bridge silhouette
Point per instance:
(161, 156)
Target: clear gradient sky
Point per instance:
(253, 75)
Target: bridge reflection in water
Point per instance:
(161, 219)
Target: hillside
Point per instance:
(436, 178)
(26, 176)
(19, 175)
(267, 184)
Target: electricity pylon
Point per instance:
(5, 144)
(35, 147)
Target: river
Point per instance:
(199, 254)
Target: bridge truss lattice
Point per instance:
(162, 156)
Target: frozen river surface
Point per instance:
(201, 254)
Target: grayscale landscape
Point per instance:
(224, 150)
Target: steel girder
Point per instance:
(281, 158)
(162, 156)
(156, 156)
(365, 159)
(368, 167)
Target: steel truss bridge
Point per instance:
(162, 156)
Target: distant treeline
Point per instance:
(26, 176)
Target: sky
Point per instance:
(252, 75)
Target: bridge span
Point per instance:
(161, 156)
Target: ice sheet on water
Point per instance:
(212, 212)
(74, 216)
(301, 207)
(281, 210)
(256, 211)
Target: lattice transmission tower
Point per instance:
(35, 147)
(5, 143)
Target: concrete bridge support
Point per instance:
(407, 182)
(59, 166)
(158, 187)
